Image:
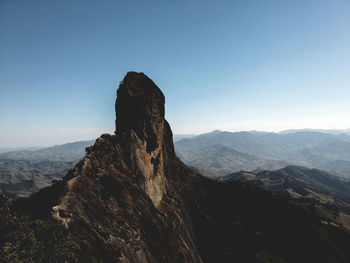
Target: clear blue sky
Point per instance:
(229, 65)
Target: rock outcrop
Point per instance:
(141, 127)
(132, 200)
(118, 197)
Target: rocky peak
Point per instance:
(140, 108)
(143, 132)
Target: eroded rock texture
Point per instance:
(140, 126)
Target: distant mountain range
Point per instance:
(218, 160)
(178, 137)
(15, 149)
(213, 154)
(334, 132)
(216, 153)
(24, 172)
(67, 152)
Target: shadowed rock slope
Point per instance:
(132, 200)
(327, 194)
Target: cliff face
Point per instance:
(141, 127)
(132, 200)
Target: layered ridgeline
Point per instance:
(220, 153)
(26, 171)
(132, 200)
(215, 154)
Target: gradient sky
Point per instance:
(230, 65)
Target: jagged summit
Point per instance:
(140, 107)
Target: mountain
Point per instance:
(130, 199)
(19, 178)
(218, 160)
(25, 172)
(305, 148)
(324, 192)
(334, 132)
(68, 152)
(178, 137)
(4, 150)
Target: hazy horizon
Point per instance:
(227, 65)
(63, 140)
